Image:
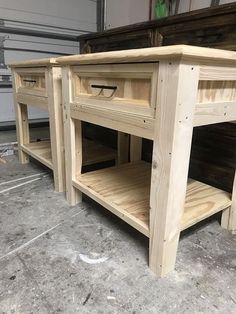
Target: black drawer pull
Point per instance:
(104, 87)
(30, 81)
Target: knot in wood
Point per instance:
(154, 165)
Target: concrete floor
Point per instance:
(60, 259)
(35, 133)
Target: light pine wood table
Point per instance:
(38, 83)
(159, 94)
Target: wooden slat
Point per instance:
(116, 70)
(202, 201)
(34, 63)
(125, 190)
(40, 151)
(93, 152)
(214, 112)
(217, 73)
(216, 91)
(41, 92)
(128, 123)
(35, 101)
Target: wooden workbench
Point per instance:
(159, 94)
(38, 83)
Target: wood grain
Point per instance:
(125, 190)
(134, 87)
(22, 125)
(176, 99)
(54, 91)
(34, 101)
(126, 122)
(216, 91)
(228, 220)
(212, 27)
(185, 52)
(41, 151)
(33, 63)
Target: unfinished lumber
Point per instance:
(183, 87)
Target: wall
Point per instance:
(72, 14)
(59, 17)
(186, 5)
(124, 12)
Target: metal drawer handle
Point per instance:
(30, 81)
(102, 87)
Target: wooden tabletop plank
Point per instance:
(186, 52)
(34, 63)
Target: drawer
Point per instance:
(119, 87)
(31, 82)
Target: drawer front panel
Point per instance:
(32, 82)
(121, 87)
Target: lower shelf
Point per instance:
(92, 152)
(125, 190)
(40, 151)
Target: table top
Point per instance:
(34, 63)
(184, 52)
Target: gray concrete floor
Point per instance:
(35, 133)
(60, 259)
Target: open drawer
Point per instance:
(121, 87)
(32, 81)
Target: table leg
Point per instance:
(123, 148)
(22, 124)
(228, 220)
(56, 127)
(176, 98)
(22, 129)
(73, 142)
(135, 148)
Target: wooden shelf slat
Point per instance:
(125, 190)
(41, 151)
(92, 152)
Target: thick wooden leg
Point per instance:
(73, 142)
(123, 148)
(56, 127)
(22, 124)
(228, 220)
(225, 218)
(22, 130)
(176, 98)
(135, 148)
(74, 157)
